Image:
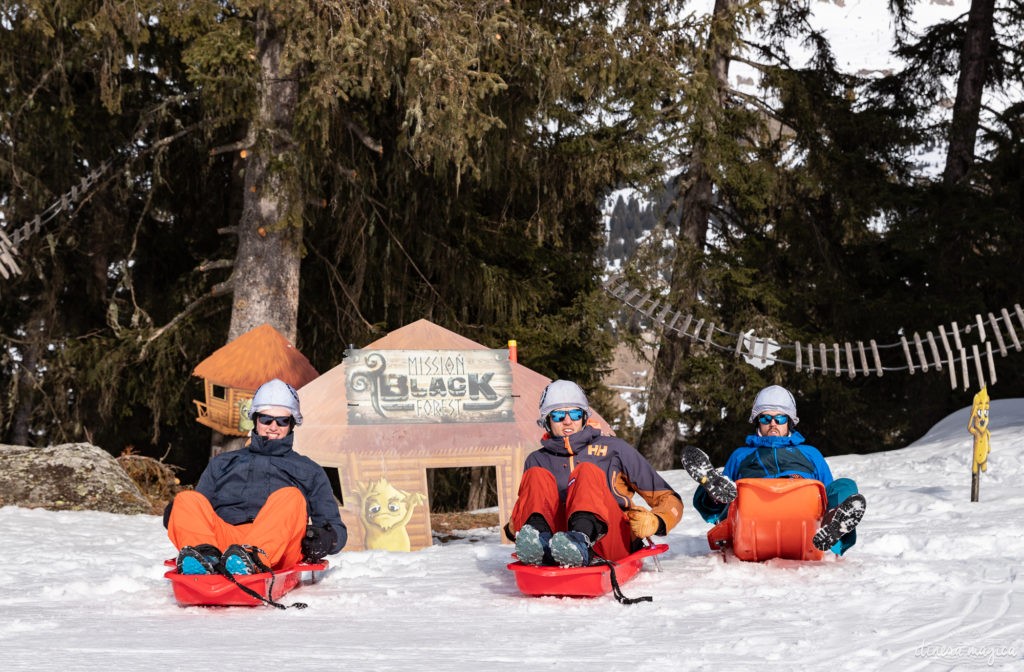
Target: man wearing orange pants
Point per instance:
(255, 502)
(278, 528)
(575, 498)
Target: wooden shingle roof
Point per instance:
(254, 358)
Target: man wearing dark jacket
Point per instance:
(265, 504)
(576, 495)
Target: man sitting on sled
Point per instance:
(575, 499)
(777, 450)
(255, 502)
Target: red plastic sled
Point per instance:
(772, 518)
(592, 581)
(214, 590)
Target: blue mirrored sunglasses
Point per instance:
(780, 419)
(282, 421)
(575, 414)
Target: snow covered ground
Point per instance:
(932, 585)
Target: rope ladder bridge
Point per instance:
(950, 349)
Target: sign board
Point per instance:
(428, 386)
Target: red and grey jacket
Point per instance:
(627, 470)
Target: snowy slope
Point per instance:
(933, 585)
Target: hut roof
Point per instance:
(424, 335)
(254, 358)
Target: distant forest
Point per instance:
(632, 219)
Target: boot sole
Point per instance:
(529, 548)
(565, 551)
(699, 467)
(845, 520)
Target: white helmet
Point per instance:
(560, 394)
(276, 393)
(774, 398)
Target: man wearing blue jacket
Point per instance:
(777, 450)
(265, 504)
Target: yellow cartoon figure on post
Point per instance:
(978, 426)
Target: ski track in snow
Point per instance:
(931, 585)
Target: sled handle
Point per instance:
(657, 560)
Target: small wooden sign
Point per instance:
(428, 386)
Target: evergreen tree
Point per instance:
(445, 162)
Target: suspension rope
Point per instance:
(917, 353)
(67, 201)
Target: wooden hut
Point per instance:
(421, 397)
(232, 374)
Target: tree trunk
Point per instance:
(480, 479)
(974, 60)
(266, 272)
(265, 281)
(660, 436)
(25, 393)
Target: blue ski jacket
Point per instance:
(238, 482)
(766, 457)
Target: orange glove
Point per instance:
(643, 523)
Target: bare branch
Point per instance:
(245, 143)
(175, 321)
(223, 288)
(364, 137)
(216, 264)
(333, 268)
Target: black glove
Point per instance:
(318, 542)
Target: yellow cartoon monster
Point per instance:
(978, 426)
(384, 511)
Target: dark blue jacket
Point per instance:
(238, 482)
(766, 457)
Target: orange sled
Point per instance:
(217, 590)
(772, 518)
(591, 581)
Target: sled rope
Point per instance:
(270, 591)
(616, 589)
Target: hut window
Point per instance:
(462, 488)
(219, 392)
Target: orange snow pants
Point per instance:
(588, 491)
(278, 528)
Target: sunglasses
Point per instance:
(575, 414)
(284, 421)
(780, 419)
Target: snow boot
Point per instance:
(532, 546)
(839, 522)
(201, 559)
(571, 549)
(242, 559)
(698, 466)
